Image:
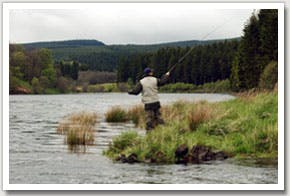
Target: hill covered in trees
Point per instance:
(100, 57)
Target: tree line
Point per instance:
(255, 63)
(205, 63)
(243, 61)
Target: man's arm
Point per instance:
(163, 80)
(136, 90)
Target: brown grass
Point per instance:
(78, 128)
(80, 135)
(199, 114)
(116, 114)
(137, 115)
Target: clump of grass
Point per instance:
(80, 135)
(120, 143)
(201, 113)
(116, 114)
(83, 118)
(176, 111)
(78, 128)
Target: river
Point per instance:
(38, 154)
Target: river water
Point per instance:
(38, 154)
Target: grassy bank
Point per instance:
(220, 86)
(244, 127)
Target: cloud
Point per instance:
(124, 23)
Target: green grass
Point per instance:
(116, 114)
(244, 127)
(220, 86)
(51, 91)
(106, 87)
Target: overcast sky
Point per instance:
(127, 23)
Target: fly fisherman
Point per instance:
(149, 88)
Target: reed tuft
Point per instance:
(78, 128)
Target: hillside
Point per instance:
(101, 57)
(63, 44)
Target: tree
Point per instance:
(258, 46)
(50, 74)
(75, 70)
(36, 87)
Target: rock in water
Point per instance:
(132, 158)
(122, 158)
(221, 155)
(181, 154)
(200, 154)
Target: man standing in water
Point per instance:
(149, 88)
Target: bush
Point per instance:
(269, 76)
(63, 84)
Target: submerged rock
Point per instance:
(132, 158)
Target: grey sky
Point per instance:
(126, 23)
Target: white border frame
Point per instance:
(5, 139)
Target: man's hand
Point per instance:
(167, 74)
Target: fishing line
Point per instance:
(188, 52)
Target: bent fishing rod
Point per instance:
(188, 52)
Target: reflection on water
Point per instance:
(38, 154)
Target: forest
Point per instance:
(54, 67)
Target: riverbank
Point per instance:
(246, 127)
(222, 86)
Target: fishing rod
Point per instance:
(188, 52)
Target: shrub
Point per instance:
(63, 84)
